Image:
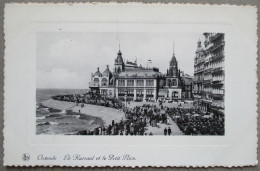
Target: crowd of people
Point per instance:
(190, 121)
(135, 123)
(195, 122)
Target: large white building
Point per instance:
(136, 82)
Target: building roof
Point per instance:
(187, 80)
(107, 72)
(140, 73)
(97, 73)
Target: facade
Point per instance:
(136, 82)
(198, 79)
(209, 75)
(187, 86)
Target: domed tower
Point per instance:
(97, 73)
(119, 63)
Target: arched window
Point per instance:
(174, 83)
(175, 94)
(96, 80)
(104, 82)
(169, 82)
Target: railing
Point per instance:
(217, 57)
(93, 84)
(219, 104)
(218, 79)
(218, 45)
(217, 69)
(206, 70)
(199, 70)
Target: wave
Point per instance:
(53, 116)
(76, 116)
(63, 112)
(40, 117)
(47, 123)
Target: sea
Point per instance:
(53, 121)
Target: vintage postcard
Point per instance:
(130, 84)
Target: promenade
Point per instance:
(161, 126)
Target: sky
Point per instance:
(66, 59)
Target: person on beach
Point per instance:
(169, 131)
(165, 131)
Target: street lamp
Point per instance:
(126, 98)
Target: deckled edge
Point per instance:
(133, 2)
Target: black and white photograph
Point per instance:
(130, 83)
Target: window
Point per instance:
(104, 82)
(96, 81)
(121, 82)
(130, 92)
(139, 93)
(121, 92)
(139, 82)
(149, 83)
(130, 83)
(149, 93)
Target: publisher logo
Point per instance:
(26, 157)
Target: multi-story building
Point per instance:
(136, 82)
(210, 94)
(218, 74)
(198, 79)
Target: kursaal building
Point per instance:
(138, 83)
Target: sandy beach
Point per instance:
(105, 113)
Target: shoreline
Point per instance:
(106, 114)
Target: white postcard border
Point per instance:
(236, 148)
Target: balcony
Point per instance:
(218, 96)
(207, 82)
(217, 70)
(199, 70)
(207, 70)
(218, 104)
(213, 38)
(218, 80)
(218, 45)
(91, 84)
(217, 57)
